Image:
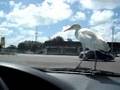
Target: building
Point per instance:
(3, 42)
(115, 47)
(62, 48)
(72, 48)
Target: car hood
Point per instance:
(86, 82)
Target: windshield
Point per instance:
(61, 33)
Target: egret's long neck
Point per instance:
(77, 33)
(77, 36)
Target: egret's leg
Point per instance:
(95, 61)
(78, 66)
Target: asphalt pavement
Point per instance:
(58, 61)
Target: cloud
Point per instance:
(100, 4)
(23, 17)
(78, 16)
(32, 15)
(103, 31)
(12, 3)
(4, 31)
(8, 25)
(117, 37)
(42, 38)
(21, 35)
(18, 34)
(101, 16)
(71, 1)
(2, 14)
(52, 11)
(86, 3)
(20, 22)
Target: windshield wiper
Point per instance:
(81, 71)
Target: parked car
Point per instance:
(100, 55)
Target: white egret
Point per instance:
(89, 39)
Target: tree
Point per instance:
(35, 46)
(58, 39)
(29, 46)
(12, 47)
(22, 46)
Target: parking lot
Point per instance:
(58, 61)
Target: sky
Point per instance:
(21, 19)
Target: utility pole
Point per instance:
(113, 27)
(36, 34)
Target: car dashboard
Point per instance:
(89, 82)
(19, 77)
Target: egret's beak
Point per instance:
(68, 29)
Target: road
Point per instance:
(49, 61)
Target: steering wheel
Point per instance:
(19, 77)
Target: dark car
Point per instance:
(100, 55)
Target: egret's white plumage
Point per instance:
(89, 39)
